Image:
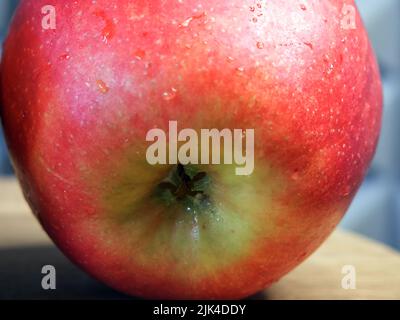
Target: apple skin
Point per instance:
(78, 101)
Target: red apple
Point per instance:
(79, 100)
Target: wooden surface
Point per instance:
(25, 248)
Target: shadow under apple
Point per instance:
(21, 277)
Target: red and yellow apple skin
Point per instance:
(79, 100)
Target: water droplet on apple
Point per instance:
(188, 21)
(140, 54)
(65, 56)
(170, 95)
(309, 44)
(195, 232)
(346, 192)
(330, 69)
(109, 28)
(260, 45)
(295, 176)
(102, 86)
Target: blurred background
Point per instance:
(375, 211)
